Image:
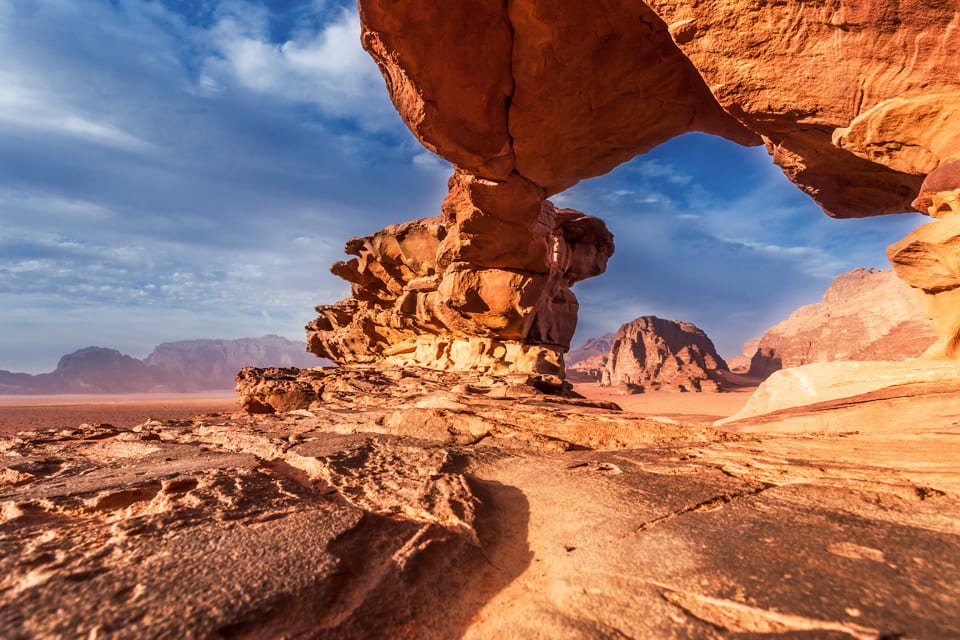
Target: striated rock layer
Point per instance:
(651, 353)
(468, 291)
(865, 314)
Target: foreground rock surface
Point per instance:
(865, 314)
(403, 506)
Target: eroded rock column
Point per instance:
(485, 287)
(929, 258)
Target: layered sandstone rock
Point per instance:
(865, 314)
(563, 91)
(929, 258)
(528, 98)
(836, 397)
(467, 291)
(650, 353)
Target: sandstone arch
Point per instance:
(858, 101)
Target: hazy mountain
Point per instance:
(192, 365)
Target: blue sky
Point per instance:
(190, 168)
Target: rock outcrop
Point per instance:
(740, 363)
(586, 362)
(835, 397)
(650, 353)
(404, 506)
(865, 314)
(929, 258)
(528, 98)
(567, 91)
(485, 288)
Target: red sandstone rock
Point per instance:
(849, 96)
(740, 363)
(865, 314)
(448, 69)
(597, 83)
(420, 297)
(652, 353)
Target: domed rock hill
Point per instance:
(651, 353)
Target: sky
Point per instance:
(180, 169)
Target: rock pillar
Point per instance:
(485, 287)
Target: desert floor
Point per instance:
(695, 408)
(22, 413)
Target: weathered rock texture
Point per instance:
(403, 506)
(485, 288)
(856, 102)
(865, 314)
(651, 353)
(929, 258)
(839, 396)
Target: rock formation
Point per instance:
(469, 291)
(586, 362)
(526, 100)
(740, 363)
(865, 314)
(929, 258)
(431, 505)
(826, 88)
(651, 353)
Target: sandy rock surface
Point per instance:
(407, 507)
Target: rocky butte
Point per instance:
(651, 353)
(438, 485)
(865, 314)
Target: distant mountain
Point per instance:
(586, 362)
(651, 353)
(865, 314)
(193, 365)
(216, 362)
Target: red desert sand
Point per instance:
(22, 413)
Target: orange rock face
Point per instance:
(652, 353)
(470, 303)
(857, 102)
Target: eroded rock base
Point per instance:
(401, 506)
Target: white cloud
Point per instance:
(326, 68)
(45, 109)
